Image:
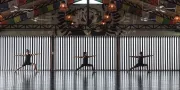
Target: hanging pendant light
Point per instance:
(68, 18)
(103, 22)
(72, 23)
(107, 17)
(63, 6)
(112, 7)
(176, 19)
(1, 17)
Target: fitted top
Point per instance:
(28, 57)
(85, 60)
(140, 60)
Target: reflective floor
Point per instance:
(85, 80)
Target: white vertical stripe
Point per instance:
(87, 44)
(166, 55)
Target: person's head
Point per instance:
(84, 53)
(141, 53)
(27, 51)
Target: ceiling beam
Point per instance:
(37, 27)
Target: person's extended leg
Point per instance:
(147, 67)
(82, 65)
(35, 66)
(137, 65)
(91, 66)
(19, 68)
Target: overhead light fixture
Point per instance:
(107, 17)
(112, 7)
(72, 23)
(68, 18)
(63, 6)
(103, 22)
(176, 19)
(90, 2)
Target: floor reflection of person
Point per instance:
(140, 83)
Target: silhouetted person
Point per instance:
(27, 60)
(140, 61)
(85, 60)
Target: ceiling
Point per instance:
(6, 7)
(49, 16)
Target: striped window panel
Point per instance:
(11, 46)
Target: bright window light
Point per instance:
(90, 2)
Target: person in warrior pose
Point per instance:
(140, 61)
(27, 60)
(85, 60)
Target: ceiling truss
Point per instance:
(37, 27)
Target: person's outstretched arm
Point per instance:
(148, 56)
(91, 56)
(79, 57)
(135, 56)
(20, 55)
(35, 54)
